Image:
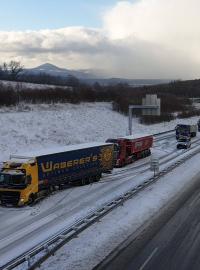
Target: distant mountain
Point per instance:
(131, 82)
(61, 72)
(90, 76)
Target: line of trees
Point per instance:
(44, 78)
(10, 71)
(120, 95)
(174, 96)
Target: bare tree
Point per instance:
(11, 70)
(4, 71)
(5, 67)
(14, 68)
(1, 72)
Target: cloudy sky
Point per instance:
(132, 39)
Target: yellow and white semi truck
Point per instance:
(25, 178)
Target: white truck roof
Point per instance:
(136, 136)
(49, 151)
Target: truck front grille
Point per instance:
(9, 197)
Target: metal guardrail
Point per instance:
(164, 132)
(41, 252)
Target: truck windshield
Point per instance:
(183, 140)
(12, 179)
(182, 129)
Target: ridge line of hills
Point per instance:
(89, 76)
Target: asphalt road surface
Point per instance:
(175, 246)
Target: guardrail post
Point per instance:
(28, 260)
(46, 248)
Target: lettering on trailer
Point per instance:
(138, 144)
(142, 143)
(104, 157)
(51, 166)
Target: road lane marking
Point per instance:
(195, 200)
(17, 235)
(148, 259)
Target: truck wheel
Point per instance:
(122, 163)
(133, 158)
(83, 182)
(97, 177)
(31, 199)
(91, 180)
(51, 189)
(147, 153)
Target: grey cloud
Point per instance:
(76, 40)
(75, 47)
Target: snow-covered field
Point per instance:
(32, 127)
(26, 85)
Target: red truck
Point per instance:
(130, 148)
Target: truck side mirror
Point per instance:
(28, 179)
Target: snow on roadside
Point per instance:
(95, 243)
(33, 127)
(26, 85)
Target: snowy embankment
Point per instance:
(32, 127)
(98, 241)
(29, 86)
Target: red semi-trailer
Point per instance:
(130, 148)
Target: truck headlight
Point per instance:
(21, 202)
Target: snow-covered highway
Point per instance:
(30, 226)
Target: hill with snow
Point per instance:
(35, 86)
(33, 127)
(89, 76)
(53, 70)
